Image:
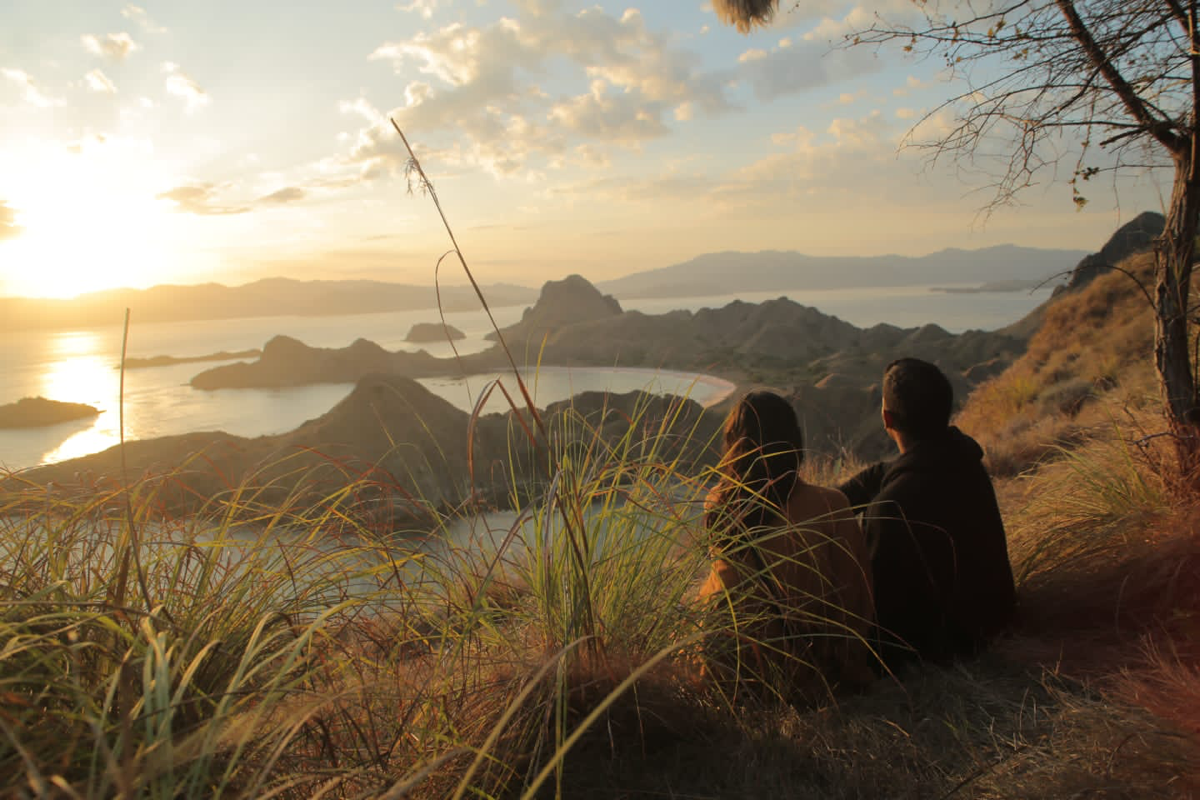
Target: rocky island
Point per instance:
(289, 362)
(433, 332)
(829, 367)
(166, 361)
(38, 412)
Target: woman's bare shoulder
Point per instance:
(809, 500)
(837, 501)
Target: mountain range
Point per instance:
(773, 270)
(709, 274)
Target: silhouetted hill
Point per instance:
(772, 270)
(571, 300)
(390, 432)
(289, 362)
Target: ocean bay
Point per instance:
(80, 366)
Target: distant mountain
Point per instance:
(710, 274)
(773, 270)
(270, 297)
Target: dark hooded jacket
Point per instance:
(943, 583)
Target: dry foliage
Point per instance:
(1085, 367)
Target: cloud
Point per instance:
(847, 99)
(8, 222)
(423, 7)
(283, 196)
(198, 199)
(31, 93)
(97, 81)
(668, 189)
(363, 108)
(816, 59)
(139, 16)
(861, 17)
(609, 116)
(201, 198)
(913, 82)
(113, 46)
(801, 66)
(593, 156)
(852, 161)
(181, 85)
(474, 95)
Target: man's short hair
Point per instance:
(918, 396)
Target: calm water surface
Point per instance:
(80, 366)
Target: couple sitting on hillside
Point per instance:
(804, 599)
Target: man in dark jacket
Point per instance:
(942, 579)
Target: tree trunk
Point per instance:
(1172, 352)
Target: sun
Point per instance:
(89, 220)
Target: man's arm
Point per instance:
(863, 487)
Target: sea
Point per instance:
(82, 365)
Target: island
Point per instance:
(166, 361)
(38, 412)
(829, 368)
(1015, 285)
(433, 332)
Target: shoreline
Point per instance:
(722, 388)
(713, 390)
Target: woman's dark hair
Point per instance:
(763, 450)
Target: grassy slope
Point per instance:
(1088, 365)
(298, 672)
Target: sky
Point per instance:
(227, 141)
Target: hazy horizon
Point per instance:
(451, 278)
(191, 143)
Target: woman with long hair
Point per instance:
(789, 592)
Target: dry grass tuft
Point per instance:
(1088, 361)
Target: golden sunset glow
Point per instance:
(89, 221)
(81, 372)
(139, 149)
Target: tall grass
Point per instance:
(295, 647)
(184, 699)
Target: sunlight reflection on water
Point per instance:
(81, 371)
(80, 366)
(81, 379)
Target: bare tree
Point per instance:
(1095, 84)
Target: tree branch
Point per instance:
(1137, 109)
(1180, 15)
